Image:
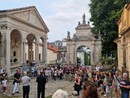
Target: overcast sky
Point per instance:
(59, 15)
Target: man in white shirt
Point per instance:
(26, 85)
(97, 68)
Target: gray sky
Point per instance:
(59, 15)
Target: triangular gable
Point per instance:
(28, 14)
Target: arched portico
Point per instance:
(15, 47)
(20, 34)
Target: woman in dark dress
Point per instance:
(78, 84)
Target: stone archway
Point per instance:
(83, 37)
(15, 47)
(31, 42)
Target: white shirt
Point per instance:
(46, 72)
(26, 80)
(97, 68)
(1, 71)
(4, 83)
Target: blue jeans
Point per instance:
(125, 95)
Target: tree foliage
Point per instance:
(105, 15)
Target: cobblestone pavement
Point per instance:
(51, 87)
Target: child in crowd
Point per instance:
(4, 85)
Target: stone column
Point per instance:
(74, 54)
(29, 53)
(68, 52)
(124, 59)
(6, 49)
(128, 56)
(93, 55)
(45, 50)
(3, 47)
(37, 51)
(23, 42)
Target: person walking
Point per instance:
(26, 85)
(17, 78)
(41, 82)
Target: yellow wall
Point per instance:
(123, 40)
(124, 21)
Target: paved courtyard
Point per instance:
(51, 87)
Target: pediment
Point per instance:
(29, 15)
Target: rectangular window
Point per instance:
(14, 54)
(40, 56)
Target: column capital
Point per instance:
(37, 42)
(45, 38)
(23, 41)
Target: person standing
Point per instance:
(78, 84)
(109, 85)
(17, 78)
(125, 86)
(41, 82)
(26, 85)
(117, 79)
(4, 85)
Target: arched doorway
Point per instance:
(83, 55)
(31, 42)
(15, 47)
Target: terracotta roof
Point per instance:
(15, 9)
(53, 48)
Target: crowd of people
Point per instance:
(88, 81)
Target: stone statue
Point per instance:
(84, 22)
(68, 34)
(78, 23)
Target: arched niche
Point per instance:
(15, 46)
(31, 42)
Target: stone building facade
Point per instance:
(83, 37)
(123, 40)
(23, 33)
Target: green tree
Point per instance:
(105, 15)
(86, 58)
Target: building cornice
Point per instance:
(117, 40)
(125, 31)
